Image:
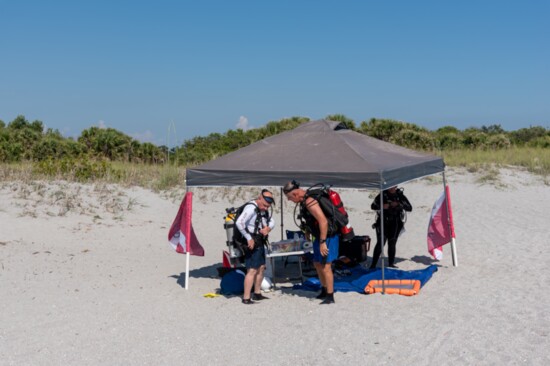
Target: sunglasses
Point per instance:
(268, 199)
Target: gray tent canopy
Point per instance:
(317, 151)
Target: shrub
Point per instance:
(474, 139)
(385, 129)
(448, 140)
(525, 135)
(498, 141)
(541, 141)
(413, 139)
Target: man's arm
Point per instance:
(242, 221)
(376, 204)
(270, 226)
(405, 203)
(271, 223)
(315, 209)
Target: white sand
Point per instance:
(87, 277)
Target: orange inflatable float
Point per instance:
(399, 287)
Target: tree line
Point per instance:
(21, 140)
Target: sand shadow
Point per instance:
(368, 262)
(180, 279)
(423, 259)
(290, 290)
(210, 271)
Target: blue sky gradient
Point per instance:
(209, 66)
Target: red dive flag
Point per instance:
(226, 260)
(181, 235)
(440, 229)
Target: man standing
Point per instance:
(255, 223)
(325, 245)
(394, 204)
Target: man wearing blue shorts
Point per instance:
(325, 245)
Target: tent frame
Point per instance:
(350, 160)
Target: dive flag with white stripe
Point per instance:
(181, 235)
(440, 229)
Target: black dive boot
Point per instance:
(329, 299)
(323, 293)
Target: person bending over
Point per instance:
(325, 245)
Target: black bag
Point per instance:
(356, 249)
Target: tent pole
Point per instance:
(453, 245)
(382, 239)
(281, 206)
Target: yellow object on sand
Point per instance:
(211, 294)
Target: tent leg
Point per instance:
(382, 239)
(281, 206)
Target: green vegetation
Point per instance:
(534, 159)
(105, 154)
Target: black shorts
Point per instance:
(255, 258)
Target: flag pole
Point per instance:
(187, 270)
(187, 255)
(451, 229)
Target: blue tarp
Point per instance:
(359, 277)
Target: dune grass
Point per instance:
(155, 177)
(169, 176)
(535, 160)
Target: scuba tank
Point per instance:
(229, 226)
(346, 231)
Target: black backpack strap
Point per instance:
(258, 218)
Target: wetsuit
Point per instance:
(393, 224)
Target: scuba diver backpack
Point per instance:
(235, 237)
(333, 208)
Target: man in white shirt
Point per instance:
(255, 224)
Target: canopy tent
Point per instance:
(317, 151)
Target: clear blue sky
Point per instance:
(138, 66)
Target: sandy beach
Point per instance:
(87, 277)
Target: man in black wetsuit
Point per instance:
(394, 205)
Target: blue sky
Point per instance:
(209, 66)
